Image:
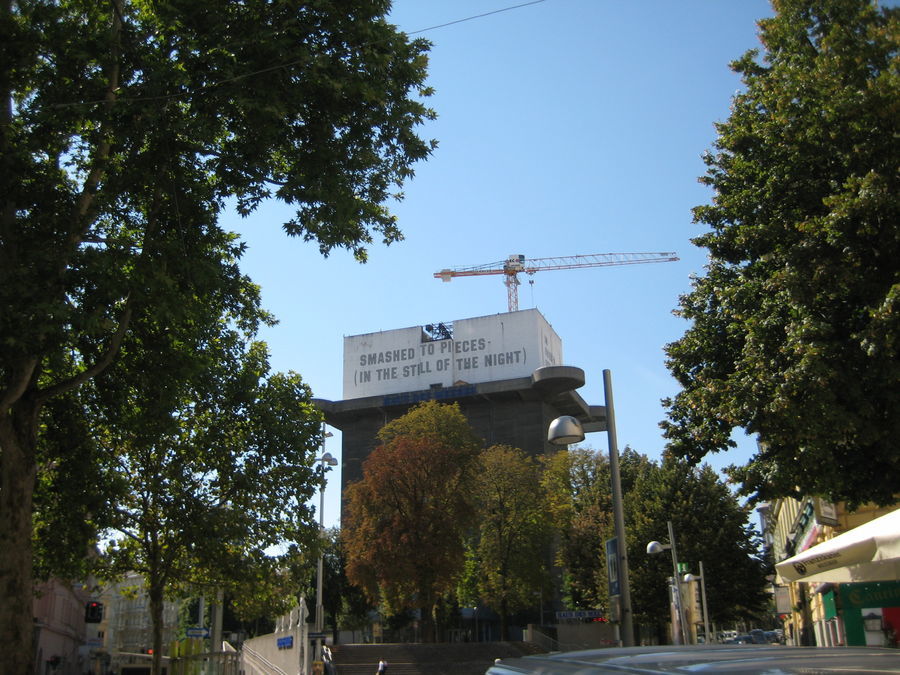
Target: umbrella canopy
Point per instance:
(870, 552)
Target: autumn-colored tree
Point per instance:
(431, 420)
(513, 536)
(407, 517)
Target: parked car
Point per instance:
(770, 659)
(758, 637)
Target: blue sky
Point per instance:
(565, 127)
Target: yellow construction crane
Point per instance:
(516, 264)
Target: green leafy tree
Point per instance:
(578, 490)
(125, 128)
(576, 485)
(513, 531)
(795, 326)
(75, 493)
(257, 593)
(407, 517)
(709, 525)
(212, 484)
(345, 604)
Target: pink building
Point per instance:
(60, 630)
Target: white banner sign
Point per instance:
(484, 349)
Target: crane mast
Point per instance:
(515, 265)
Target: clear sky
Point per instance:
(565, 127)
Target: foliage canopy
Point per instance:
(408, 516)
(710, 525)
(513, 535)
(125, 129)
(795, 328)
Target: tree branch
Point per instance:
(99, 365)
(17, 383)
(98, 165)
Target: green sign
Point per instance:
(873, 594)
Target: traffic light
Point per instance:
(93, 612)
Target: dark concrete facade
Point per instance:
(513, 412)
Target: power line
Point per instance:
(476, 16)
(236, 78)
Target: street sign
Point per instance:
(197, 632)
(615, 608)
(612, 565)
(580, 614)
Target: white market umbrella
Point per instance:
(870, 552)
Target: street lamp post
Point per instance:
(567, 429)
(702, 578)
(325, 460)
(655, 547)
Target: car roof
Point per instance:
(771, 660)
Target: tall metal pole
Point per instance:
(320, 610)
(325, 460)
(627, 623)
(677, 585)
(703, 597)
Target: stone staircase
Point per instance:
(457, 658)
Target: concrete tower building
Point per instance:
(505, 371)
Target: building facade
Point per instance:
(505, 371)
(828, 614)
(127, 624)
(60, 628)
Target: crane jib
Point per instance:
(516, 264)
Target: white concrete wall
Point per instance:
(283, 652)
(483, 349)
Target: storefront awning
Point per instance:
(870, 552)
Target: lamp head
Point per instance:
(327, 459)
(655, 547)
(688, 578)
(565, 430)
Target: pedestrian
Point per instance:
(382, 667)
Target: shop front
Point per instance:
(860, 614)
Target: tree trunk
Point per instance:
(428, 627)
(18, 441)
(155, 591)
(504, 620)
